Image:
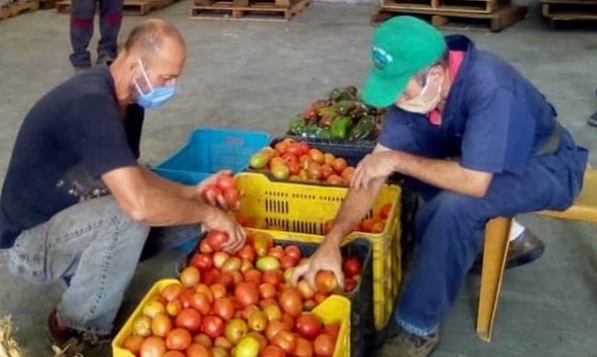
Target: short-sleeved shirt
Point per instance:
(71, 137)
(493, 119)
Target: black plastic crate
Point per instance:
(351, 151)
(362, 330)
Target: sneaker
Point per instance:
(68, 340)
(407, 344)
(524, 249)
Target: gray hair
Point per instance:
(149, 36)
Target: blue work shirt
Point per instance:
(494, 120)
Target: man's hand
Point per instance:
(374, 166)
(225, 222)
(209, 197)
(326, 257)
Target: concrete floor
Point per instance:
(257, 75)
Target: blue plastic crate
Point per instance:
(210, 150)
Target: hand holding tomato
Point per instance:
(326, 257)
(219, 191)
(222, 221)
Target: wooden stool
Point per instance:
(496, 248)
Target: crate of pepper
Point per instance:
(340, 121)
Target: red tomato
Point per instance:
(225, 182)
(304, 348)
(189, 319)
(246, 252)
(324, 345)
(332, 330)
(190, 276)
(285, 340)
(288, 158)
(133, 343)
(272, 351)
(197, 350)
(231, 196)
(274, 277)
(326, 282)
(202, 262)
(161, 325)
(205, 290)
(247, 293)
(174, 354)
(384, 211)
(224, 308)
(211, 277)
(212, 326)
(293, 251)
(153, 346)
(171, 291)
(201, 303)
(288, 262)
(352, 267)
(290, 302)
(276, 252)
(350, 284)
(216, 239)
(267, 291)
(178, 339)
(274, 327)
(218, 291)
(253, 275)
(308, 325)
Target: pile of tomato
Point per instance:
(297, 161)
(240, 305)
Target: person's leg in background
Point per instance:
(110, 21)
(162, 239)
(96, 247)
(81, 32)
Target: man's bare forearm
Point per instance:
(354, 207)
(186, 192)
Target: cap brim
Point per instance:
(380, 91)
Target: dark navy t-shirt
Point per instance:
(494, 119)
(71, 136)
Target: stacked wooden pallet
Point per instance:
(16, 8)
(258, 10)
(499, 13)
(131, 7)
(569, 10)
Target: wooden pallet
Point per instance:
(497, 20)
(472, 6)
(17, 8)
(255, 11)
(130, 8)
(569, 10)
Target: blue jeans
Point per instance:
(450, 229)
(95, 247)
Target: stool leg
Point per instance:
(494, 258)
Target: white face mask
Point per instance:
(424, 102)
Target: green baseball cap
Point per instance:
(402, 46)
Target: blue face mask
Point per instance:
(155, 97)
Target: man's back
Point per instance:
(69, 138)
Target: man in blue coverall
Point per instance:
(477, 141)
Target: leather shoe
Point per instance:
(525, 249)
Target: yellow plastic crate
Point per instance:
(127, 329)
(333, 309)
(301, 210)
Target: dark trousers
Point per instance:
(450, 228)
(81, 29)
